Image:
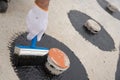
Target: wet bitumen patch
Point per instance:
(3, 6)
(117, 74)
(103, 4)
(102, 39)
(33, 68)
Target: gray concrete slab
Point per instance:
(99, 64)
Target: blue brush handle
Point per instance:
(34, 41)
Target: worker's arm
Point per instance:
(43, 4)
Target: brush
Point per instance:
(31, 50)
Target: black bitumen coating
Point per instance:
(32, 68)
(102, 39)
(103, 4)
(3, 6)
(117, 74)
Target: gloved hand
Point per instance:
(37, 20)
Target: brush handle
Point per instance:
(33, 42)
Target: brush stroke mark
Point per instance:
(117, 74)
(103, 4)
(27, 68)
(102, 39)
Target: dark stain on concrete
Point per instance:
(103, 4)
(102, 39)
(32, 68)
(117, 74)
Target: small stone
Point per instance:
(112, 7)
(57, 61)
(92, 26)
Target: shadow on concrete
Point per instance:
(117, 74)
(102, 39)
(32, 68)
(103, 4)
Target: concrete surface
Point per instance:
(99, 64)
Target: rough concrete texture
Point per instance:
(99, 64)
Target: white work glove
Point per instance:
(37, 20)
